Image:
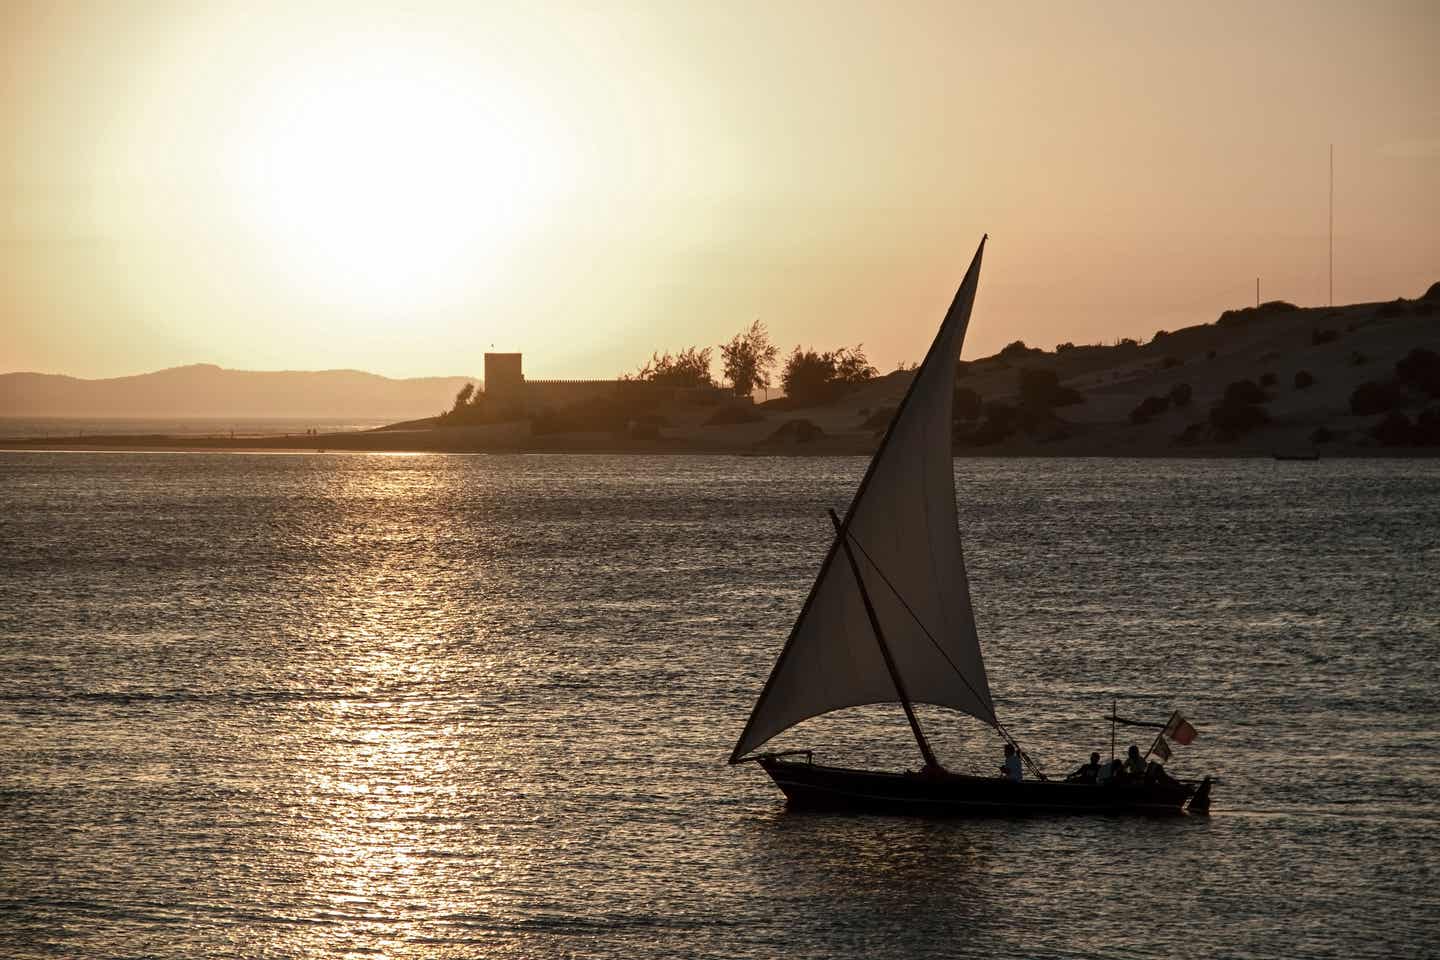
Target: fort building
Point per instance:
(507, 388)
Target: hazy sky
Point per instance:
(312, 185)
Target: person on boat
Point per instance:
(1134, 764)
(1155, 773)
(1088, 772)
(1110, 772)
(1010, 769)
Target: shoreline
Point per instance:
(678, 447)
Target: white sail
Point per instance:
(903, 530)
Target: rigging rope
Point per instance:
(1000, 727)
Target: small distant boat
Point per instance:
(889, 620)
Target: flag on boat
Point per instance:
(1161, 749)
(1179, 729)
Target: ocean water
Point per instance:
(448, 706)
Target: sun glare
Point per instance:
(392, 179)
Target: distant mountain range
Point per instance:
(205, 390)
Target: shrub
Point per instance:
(1420, 368)
(1427, 427)
(796, 431)
(1373, 397)
(1041, 388)
(1063, 347)
(1394, 431)
(1001, 421)
(1267, 379)
(1246, 315)
(1304, 380)
(1148, 408)
(1180, 394)
(1233, 419)
(1395, 308)
(1240, 410)
(1244, 392)
(1036, 386)
(1017, 351)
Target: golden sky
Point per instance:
(395, 187)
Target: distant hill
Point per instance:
(205, 390)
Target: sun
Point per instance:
(392, 177)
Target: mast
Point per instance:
(930, 762)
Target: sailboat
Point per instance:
(889, 620)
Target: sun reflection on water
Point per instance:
(443, 707)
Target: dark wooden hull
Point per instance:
(812, 786)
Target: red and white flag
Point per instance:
(1179, 729)
(1161, 749)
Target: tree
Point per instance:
(808, 376)
(462, 399)
(748, 359)
(811, 377)
(469, 408)
(688, 368)
(851, 365)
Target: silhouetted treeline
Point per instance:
(809, 376)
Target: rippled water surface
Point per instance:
(316, 706)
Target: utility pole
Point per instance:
(1257, 293)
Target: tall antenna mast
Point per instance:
(1332, 224)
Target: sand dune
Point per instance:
(1337, 348)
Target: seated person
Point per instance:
(1155, 773)
(1088, 772)
(1134, 763)
(1010, 769)
(1112, 772)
